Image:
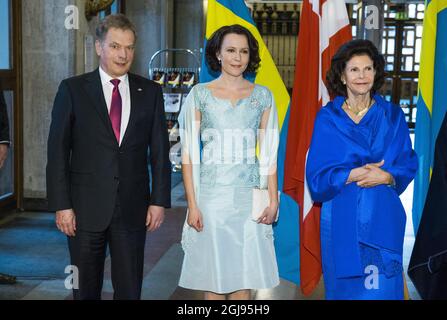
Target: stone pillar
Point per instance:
(190, 28)
(48, 57)
(153, 20)
(86, 29)
(51, 53)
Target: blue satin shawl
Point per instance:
(373, 217)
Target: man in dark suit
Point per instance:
(97, 172)
(4, 147)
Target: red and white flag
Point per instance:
(324, 27)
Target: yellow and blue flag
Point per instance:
(427, 268)
(432, 101)
(286, 231)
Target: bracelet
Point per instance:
(392, 184)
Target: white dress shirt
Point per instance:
(107, 89)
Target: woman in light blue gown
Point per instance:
(221, 123)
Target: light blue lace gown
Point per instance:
(233, 252)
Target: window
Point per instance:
(11, 186)
(401, 45)
(401, 48)
(5, 40)
(278, 24)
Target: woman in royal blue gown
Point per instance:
(360, 161)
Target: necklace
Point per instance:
(360, 113)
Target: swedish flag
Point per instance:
(432, 101)
(428, 263)
(286, 231)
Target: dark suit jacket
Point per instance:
(4, 124)
(87, 169)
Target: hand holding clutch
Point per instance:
(194, 219)
(260, 201)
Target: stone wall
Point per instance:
(48, 57)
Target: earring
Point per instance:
(344, 82)
(220, 61)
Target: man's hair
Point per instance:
(117, 21)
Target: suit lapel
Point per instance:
(94, 90)
(135, 102)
